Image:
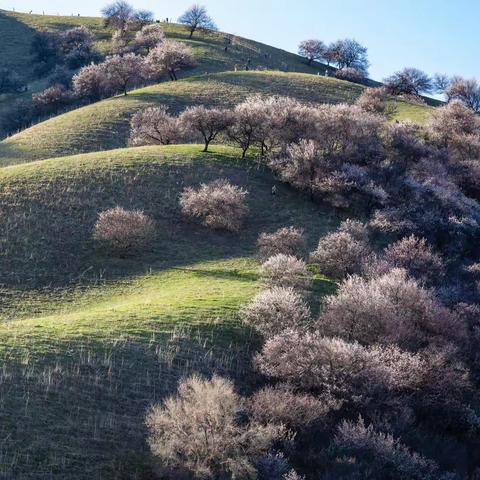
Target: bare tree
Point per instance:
(124, 72)
(440, 82)
(169, 57)
(250, 123)
(348, 53)
(143, 17)
(154, 126)
(196, 17)
(312, 50)
(118, 14)
(208, 122)
(467, 91)
(409, 81)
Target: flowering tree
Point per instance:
(154, 126)
(169, 57)
(123, 72)
(149, 37)
(312, 50)
(208, 122)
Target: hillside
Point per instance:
(18, 30)
(85, 362)
(105, 125)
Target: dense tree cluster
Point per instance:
(389, 362)
(347, 55)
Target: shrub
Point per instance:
(286, 240)
(274, 310)
(154, 126)
(390, 308)
(51, 99)
(124, 231)
(199, 430)
(453, 124)
(375, 100)
(365, 453)
(404, 146)
(343, 252)
(272, 466)
(219, 204)
(208, 122)
(350, 75)
(281, 405)
(285, 271)
(347, 133)
(417, 258)
(333, 164)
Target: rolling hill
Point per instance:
(18, 30)
(105, 125)
(89, 341)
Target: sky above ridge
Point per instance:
(436, 36)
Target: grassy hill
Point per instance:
(18, 30)
(105, 125)
(209, 47)
(89, 341)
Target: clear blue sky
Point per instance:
(434, 35)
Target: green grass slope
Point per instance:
(82, 363)
(209, 47)
(18, 30)
(48, 210)
(105, 125)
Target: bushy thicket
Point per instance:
(124, 232)
(276, 309)
(219, 204)
(286, 240)
(285, 271)
(200, 431)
